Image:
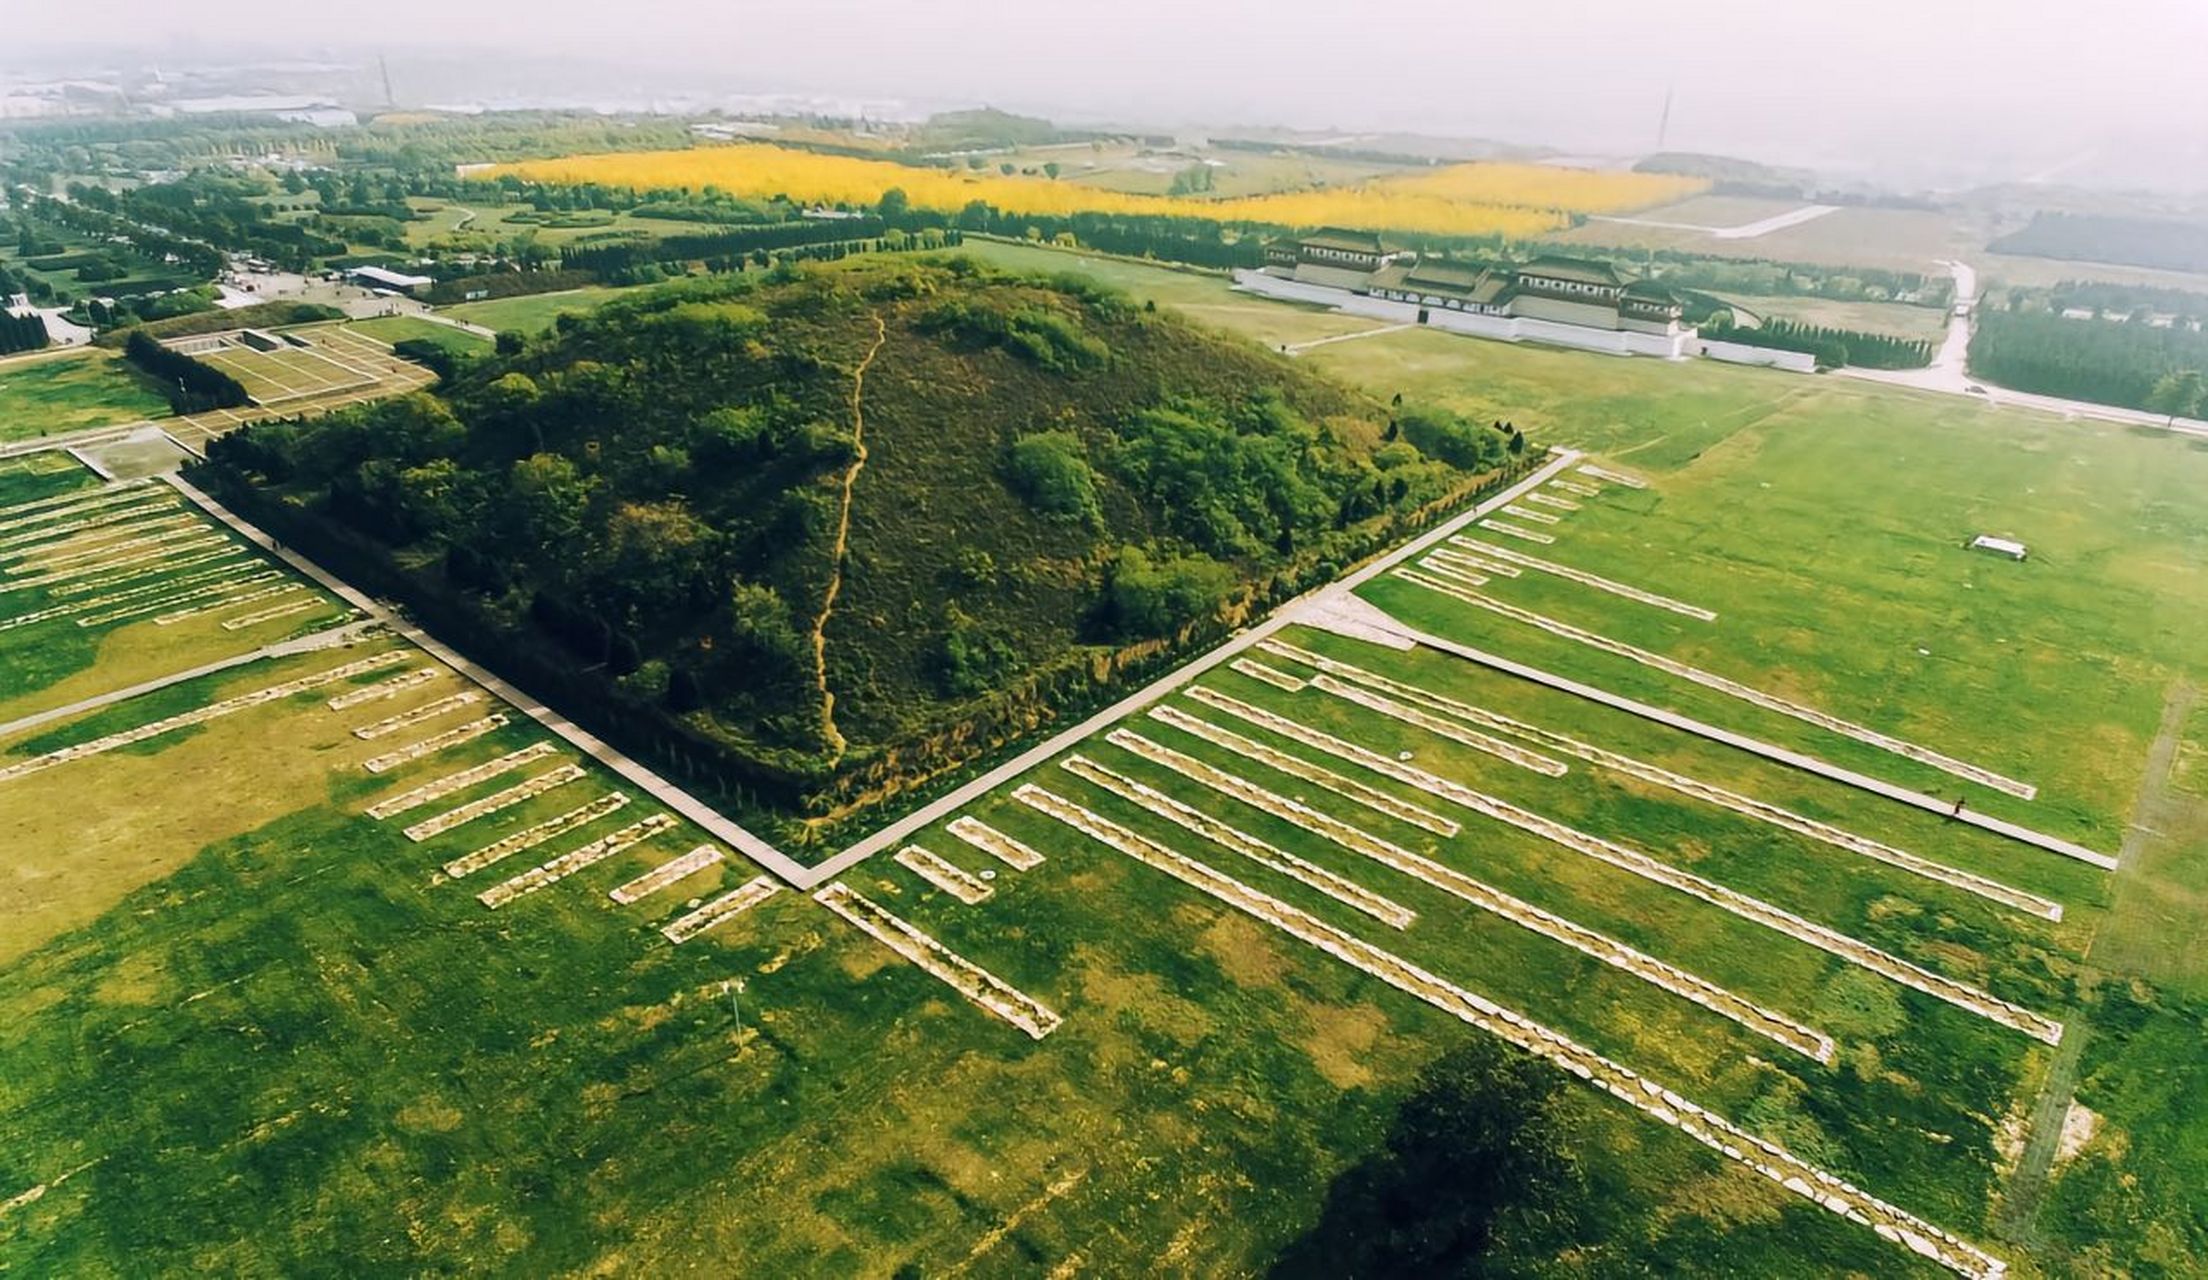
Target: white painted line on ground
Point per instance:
(721, 910)
(666, 873)
(981, 987)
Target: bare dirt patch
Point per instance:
(1341, 1043)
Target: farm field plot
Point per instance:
(452, 226)
(52, 392)
(1201, 295)
(1467, 199)
(1719, 211)
(1134, 169)
(1902, 239)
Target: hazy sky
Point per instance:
(2019, 84)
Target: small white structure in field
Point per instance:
(2009, 547)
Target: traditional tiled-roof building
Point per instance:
(1331, 256)
(1561, 290)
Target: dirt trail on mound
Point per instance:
(828, 735)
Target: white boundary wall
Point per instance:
(1742, 353)
(1502, 328)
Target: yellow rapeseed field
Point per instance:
(1466, 199)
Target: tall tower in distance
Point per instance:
(391, 101)
(1663, 120)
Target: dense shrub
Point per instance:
(192, 385)
(1050, 469)
(1147, 597)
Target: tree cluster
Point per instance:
(612, 259)
(644, 502)
(1833, 348)
(2107, 362)
(1473, 1179)
(26, 332)
(193, 386)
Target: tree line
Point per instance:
(26, 332)
(193, 385)
(2103, 298)
(2106, 362)
(613, 259)
(2093, 237)
(1834, 348)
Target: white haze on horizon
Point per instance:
(1922, 91)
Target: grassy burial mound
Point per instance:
(819, 539)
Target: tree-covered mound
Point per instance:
(816, 539)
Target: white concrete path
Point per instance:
(1769, 751)
(1745, 231)
(281, 649)
(1297, 348)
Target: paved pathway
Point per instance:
(1297, 348)
(1769, 751)
(1745, 231)
(281, 649)
(667, 793)
(901, 830)
(453, 322)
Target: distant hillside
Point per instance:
(2086, 237)
(1733, 175)
(987, 127)
(640, 514)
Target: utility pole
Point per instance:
(735, 993)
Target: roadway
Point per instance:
(1948, 374)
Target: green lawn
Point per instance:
(1899, 319)
(1206, 296)
(401, 328)
(533, 313)
(53, 392)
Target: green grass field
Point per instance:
(1203, 295)
(394, 329)
(246, 1028)
(533, 313)
(272, 377)
(1898, 319)
(53, 392)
